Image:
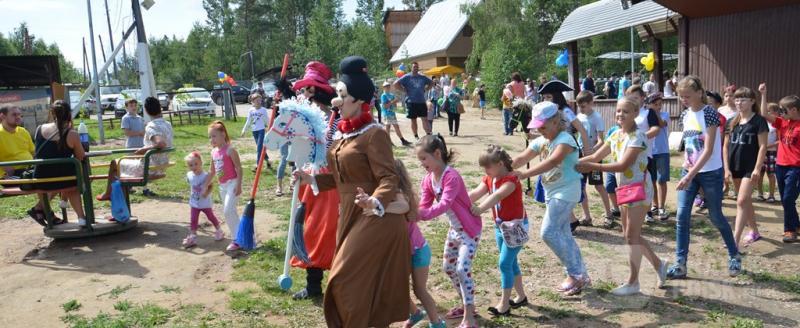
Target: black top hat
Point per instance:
(353, 71)
(553, 87)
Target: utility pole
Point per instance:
(85, 62)
(143, 56)
(103, 51)
(111, 38)
(95, 77)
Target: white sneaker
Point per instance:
(649, 218)
(82, 222)
(626, 289)
(662, 273)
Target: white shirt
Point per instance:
(196, 199)
(258, 118)
(668, 92)
(594, 125)
(642, 125)
(649, 87)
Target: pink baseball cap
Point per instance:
(542, 112)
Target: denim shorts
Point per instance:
(662, 167)
(421, 257)
(611, 183)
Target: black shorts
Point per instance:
(652, 169)
(417, 110)
(741, 174)
(595, 178)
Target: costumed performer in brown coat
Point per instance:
(368, 284)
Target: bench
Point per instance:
(180, 113)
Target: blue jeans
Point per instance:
(711, 182)
(611, 183)
(282, 165)
(557, 235)
(507, 113)
(259, 137)
(789, 187)
(507, 262)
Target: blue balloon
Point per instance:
(221, 75)
(402, 67)
(563, 59)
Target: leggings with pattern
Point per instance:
(459, 251)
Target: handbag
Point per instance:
(119, 207)
(460, 108)
(515, 232)
(633, 192)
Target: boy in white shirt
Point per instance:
(593, 123)
(257, 119)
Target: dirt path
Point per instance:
(147, 264)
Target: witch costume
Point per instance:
(368, 284)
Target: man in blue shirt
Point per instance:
(624, 84)
(415, 85)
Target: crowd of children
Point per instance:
(757, 139)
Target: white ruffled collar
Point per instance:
(340, 135)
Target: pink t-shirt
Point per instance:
(416, 237)
(518, 89)
(223, 164)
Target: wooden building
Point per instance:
(723, 42)
(397, 25)
(442, 37)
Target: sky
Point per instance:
(65, 22)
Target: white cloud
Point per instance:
(32, 5)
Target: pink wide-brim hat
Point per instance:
(316, 75)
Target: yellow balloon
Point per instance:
(643, 60)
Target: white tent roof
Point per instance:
(607, 16)
(627, 55)
(438, 28)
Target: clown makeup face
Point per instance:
(308, 92)
(348, 106)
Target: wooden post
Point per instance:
(683, 46)
(659, 66)
(572, 69)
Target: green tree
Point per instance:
(324, 40)
(419, 4)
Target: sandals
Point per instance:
(576, 287)
(761, 198)
(586, 222)
(41, 219)
(771, 199)
(496, 313)
(415, 318)
(278, 193)
(456, 313)
(751, 238)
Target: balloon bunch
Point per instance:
(562, 59)
(649, 61)
(225, 78)
(401, 70)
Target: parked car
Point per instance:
(108, 97)
(124, 95)
(240, 94)
(88, 104)
(194, 98)
(163, 99)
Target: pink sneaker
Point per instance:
(233, 247)
(190, 241)
(218, 235)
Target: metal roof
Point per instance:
(28, 71)
(438, 28)
(606, 16)
(624, 55)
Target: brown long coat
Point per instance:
(368, 283)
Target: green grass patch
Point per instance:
(785, 283)
(117, 291)
(169, 289)
(603, 287)
(719, 318)
(550, 295)
(144, 315)
(71, 305)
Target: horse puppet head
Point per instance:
(303, 125)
